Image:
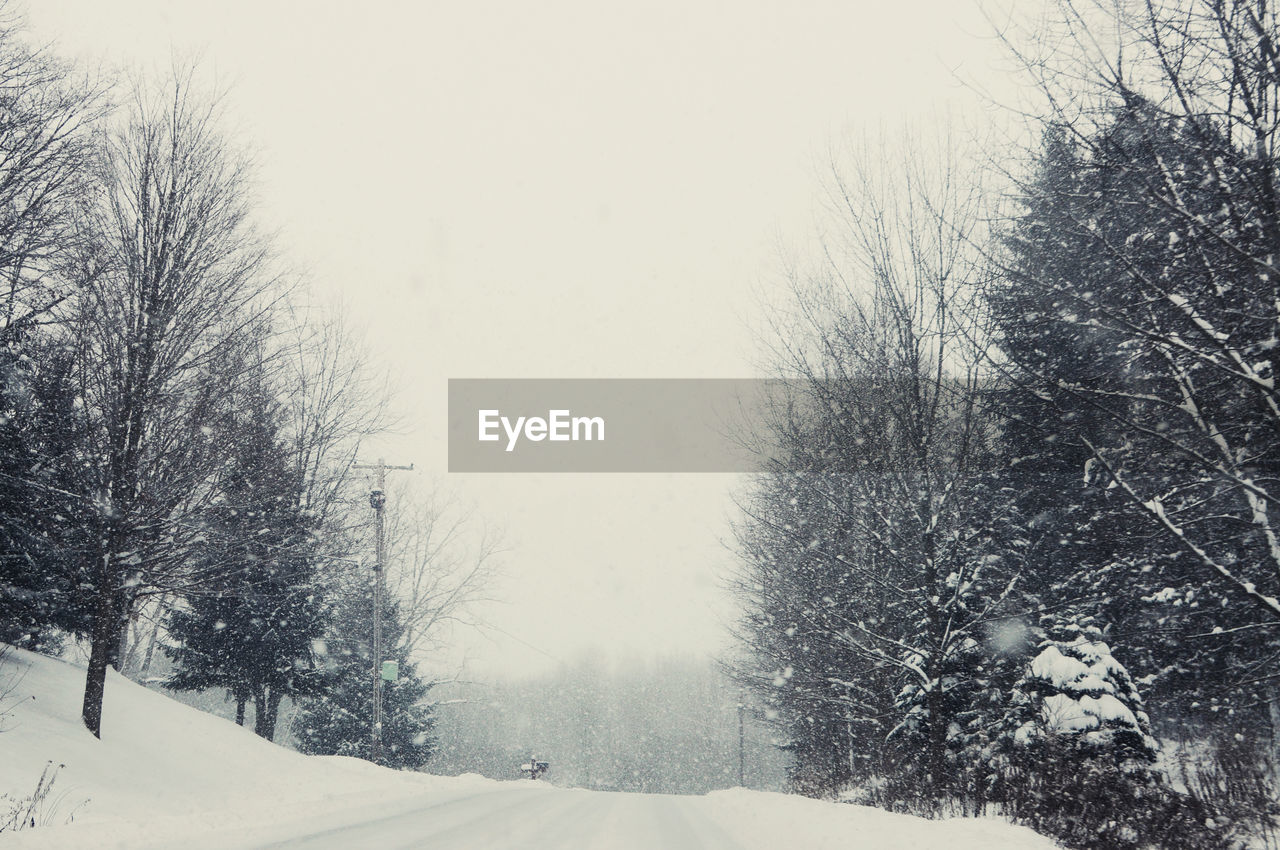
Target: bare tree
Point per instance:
(441, 563)
(46, 169)
(869, 569)
(177, 285)
(335, 399)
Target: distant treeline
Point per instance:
(666, 726)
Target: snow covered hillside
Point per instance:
(165, 774)
(163, 769)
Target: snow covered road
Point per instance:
(515, 816)
(535, 819)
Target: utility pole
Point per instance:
(378, 501)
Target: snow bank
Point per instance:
(765, 821)
(163, 769)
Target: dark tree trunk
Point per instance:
(121, 648)
(935, 698)
(937, 739)
(276, 696)
(240, 701)
(259, 710)
(102, 642)
(266, 705)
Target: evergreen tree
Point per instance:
(252, 625)
(1138, 453)
(43, 523)
(1075, 688)
(1076, 758)
(339, 719)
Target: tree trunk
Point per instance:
(272, 714)
(935, 699)
(240, 701)
(259, 711)
(145, 670)
(266, 705)
(293, 715)
(102, 639)
(1273, 712)
(937, 739)
(121, 654)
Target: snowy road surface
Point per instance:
(526, 816)
(534, 819)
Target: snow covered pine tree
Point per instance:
(1076, 758)
(338, 721)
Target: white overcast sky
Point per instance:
(554, 189)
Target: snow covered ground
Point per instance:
(166, 775)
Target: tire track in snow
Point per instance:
(413, 828)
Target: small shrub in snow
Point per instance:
(37, 808)
(1077, 761)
